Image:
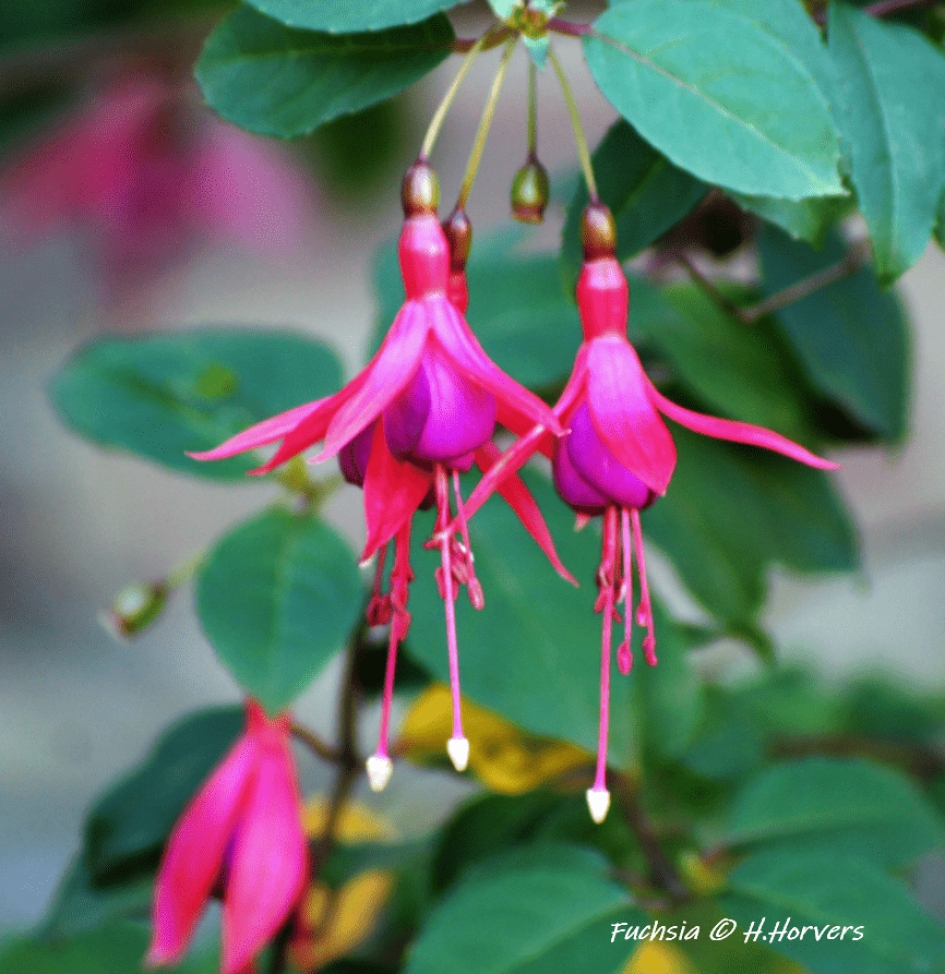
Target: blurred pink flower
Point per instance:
(144, 174)
(242, 833)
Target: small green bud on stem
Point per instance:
(530, 191)
(135, 608)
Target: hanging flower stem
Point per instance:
(579, 137)
(485, 123)
(532, 110)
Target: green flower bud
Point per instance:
(530, 190)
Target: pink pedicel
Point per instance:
(242, 831)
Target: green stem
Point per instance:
(185, 571)
(436, 123)
(583, 152)
(532, 110)
(485, 123)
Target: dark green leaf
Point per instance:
(280, 81)
(743, 372)
(645, 191)
(721, 97)
(127, 828)
(891, 113)
(162, 395)
(79, 905)
(534, 653)
(278, 598)
(808, 219)
(517, 306)
(345, 17)
(731, 511)
(544, 910)
(851, 338)
(117, 948)
(823, 891)
(832, 805)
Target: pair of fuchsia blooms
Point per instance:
(422, 412)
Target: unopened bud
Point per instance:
(135, 608)
(530, 191)
(598, 232)
(421, 190)
(459, 233)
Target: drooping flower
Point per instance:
(143, 175)
(422, 412)
(617, 455)
(241, 835)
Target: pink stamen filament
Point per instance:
(472, 584)
(645, 612)
(400, 579)
(607, 580)
(627, 594)
(443, 519)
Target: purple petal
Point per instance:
(595, 464)
(353, 459)
(572, 487)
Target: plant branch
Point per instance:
(662, 872)
(916, 759)
(708, 285)
(856, 258)
(315, 744)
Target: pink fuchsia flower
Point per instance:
(242, 833)
(617, 455)
(422, 412)
(143, 174)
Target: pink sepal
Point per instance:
(726, 429)
(392, 493)
(623, 414)
(270, 856)
(195, 853)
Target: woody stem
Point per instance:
(580, 138)
(485, 123)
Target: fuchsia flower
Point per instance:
(142, 174)
(617, 456)
(242, 833)
(422, 412)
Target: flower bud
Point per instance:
(421, 190)
(458, 232)
(530, 190)
(135, 608)
(598, 232)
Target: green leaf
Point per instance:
(277, 598)
(851, 338)
(741, 371)
(732, 511)
(823, 891)
(534, 653)
(345, 17)
(537, 48)
(127, 828)
(645, 191)
(891, 112)
(848, 807)
(544, 910)
(808, 219)
(281, 81)
(720, 96)
(80, 905)
(162, 395)
(116, 948)
(517, 306)
(503, 8)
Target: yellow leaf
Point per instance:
(503, 757)
(333, 924)
(357, 823)
(656, 957)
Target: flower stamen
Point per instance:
(645, 609)
(625, 649)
